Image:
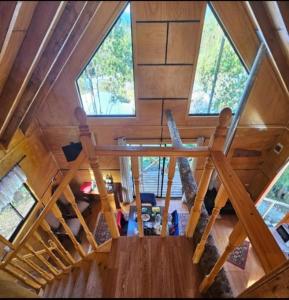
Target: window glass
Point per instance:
(106, 85)
(220, 75)
(17, 202)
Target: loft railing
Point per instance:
(34, 266)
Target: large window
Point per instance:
(275, 206)
(220, 75)
(106, 85)
(16, 202)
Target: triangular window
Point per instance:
(106, 85)
(220, 75)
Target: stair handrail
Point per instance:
(66, 180)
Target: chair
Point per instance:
(174, 229)
(148, 198)
(122, 223)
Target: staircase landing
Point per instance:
(151, 267)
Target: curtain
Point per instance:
(10, 184)
(126, 176)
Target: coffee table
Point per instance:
(132, 229)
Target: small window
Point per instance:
(106, 85)
(16, 202)
(220, 75)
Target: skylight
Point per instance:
(220, 75)
(106, 84)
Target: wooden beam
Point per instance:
(188, 181)
(272, 38)
(118, 150)
(56, 45)
(79, 29)
(284, 10)
(43, 23)
(14, 34)
(6, 12)
(261, 238)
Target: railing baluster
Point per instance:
(10, 269)
(171, 173)
(61, 250)
(47, 276)
(236, 238)
(16, 265)
(56, 211)
(88, 145)
(220, 201)
(135, 174)
(70, 197)
(55, 258)
(202, 190)
(42, 259)
(217, 142)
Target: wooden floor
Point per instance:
(151, 267)
(239, 279)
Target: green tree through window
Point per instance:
(220, 76)
(106, 85)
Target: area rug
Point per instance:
(239, 256)
(102, 233)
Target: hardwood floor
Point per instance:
(239, 279)
(151, 267)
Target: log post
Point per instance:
(216, 143)
(236, 238)
(220, 202)
(135, 174)
(88, 145)
(171, 173)
(187, 178)
(71, 199)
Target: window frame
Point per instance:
(133, 70)
(227, 36)
(24, 219)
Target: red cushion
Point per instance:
(118, 219)
(86, 187)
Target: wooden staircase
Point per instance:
(82, 282)
(135, 268)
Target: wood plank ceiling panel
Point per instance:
(150, 43)
(6, 14)
(168, 10)
(183, 42)
(13, 35)
(50, 56)
(43, 23)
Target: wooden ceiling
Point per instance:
(44, 45)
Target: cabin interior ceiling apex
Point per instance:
(166, 39)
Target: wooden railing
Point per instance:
(36, 267)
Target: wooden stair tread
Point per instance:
(52, 290)
(69, 286)
(151, 267)
(94, 284)
(80, 284)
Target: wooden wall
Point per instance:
(165, 55)
(38, 164)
